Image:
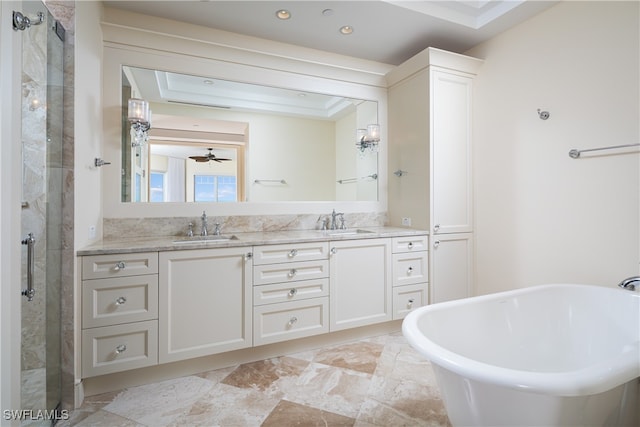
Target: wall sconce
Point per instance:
(368, 138)
(140, 117)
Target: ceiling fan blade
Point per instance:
(200, 158)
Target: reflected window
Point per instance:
(138, 194)
(157, 187)
(215, 188)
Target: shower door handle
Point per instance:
(30, 291)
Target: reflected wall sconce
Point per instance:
(368, 139)
(139, 116)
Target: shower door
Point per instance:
(41, 219)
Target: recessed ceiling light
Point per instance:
(207, 82)
(327, 12)
(283, 14)
(346, 30)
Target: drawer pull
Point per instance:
(292, 273)
(121, 349)
(436, 228)
(119, 266)
(293, 320)
(410, 302)
(121, 301)
(293, 253)
(248, 256)
(410, 245)
(409, 270)
(293, 292)
(436, 244)
(334, 251)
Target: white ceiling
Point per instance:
(385, 31)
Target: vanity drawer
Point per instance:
(103, 266)
(409, 244)
(290, 272)
(119, 348)
(290, 320)
(410, 268)
(293, 252)
(407, 298)
(119, 300)
(294, 291)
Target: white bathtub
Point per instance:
(551, 355)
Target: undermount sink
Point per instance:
(204, 239)
(347, 232)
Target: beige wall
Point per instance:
(542, 217)
(88, 122)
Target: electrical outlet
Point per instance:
(92, 231)
(406, 222)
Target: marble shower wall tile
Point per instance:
(114, 228)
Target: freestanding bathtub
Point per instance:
(549, 355)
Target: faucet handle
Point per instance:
(190, 232)
(324, 222)
(216, 230)
(343, 226)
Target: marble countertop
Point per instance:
(168, 243)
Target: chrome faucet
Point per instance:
(334, 215)
(630, 283)
(204, 224)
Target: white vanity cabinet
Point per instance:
(361, 282)
(119, 312)
(290, 291)
(430, 119)
(410, 274)
(205, 302)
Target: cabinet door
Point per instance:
(360, 282)
(451, 267)
(451, 153)
(205, 301)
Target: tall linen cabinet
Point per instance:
(430, 117)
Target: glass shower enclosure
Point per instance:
(41, 218)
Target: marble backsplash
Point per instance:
(116, 228)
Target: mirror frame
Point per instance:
(114, 57)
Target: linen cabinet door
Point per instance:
(205, 302)
(360, 281)
(452, 267)
(451, 186)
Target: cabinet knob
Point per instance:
(410, 245)
(248, 256)
(436, 228)
(410, 302)
(293, 292)
(436, 243)
(121, 349)
(409, 270)
(293, 320)
(293, 253)
(333, 251)
(119, 266)
(292, 272)
(121, 301)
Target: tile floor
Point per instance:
(379, 381)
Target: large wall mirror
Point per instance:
(217, 140)
(283, 159)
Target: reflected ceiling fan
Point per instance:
(210, 156)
